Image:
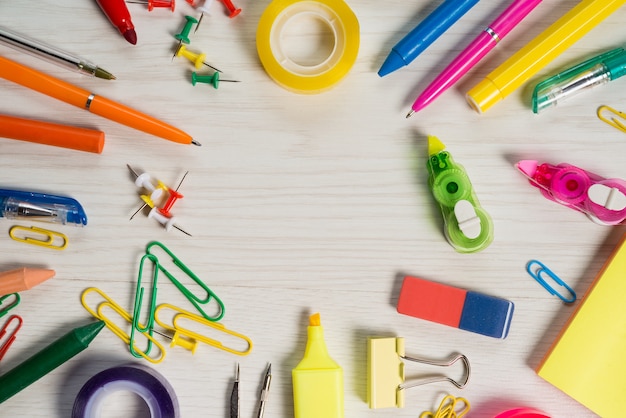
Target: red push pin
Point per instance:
(155, 3)
(234, 11)
(169, 203)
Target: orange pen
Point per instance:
(46, 133)
(61, 90)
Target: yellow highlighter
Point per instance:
(317, 379)
(520, 67)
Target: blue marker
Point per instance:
(424, 34)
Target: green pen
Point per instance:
(594, 72)
(48, 359)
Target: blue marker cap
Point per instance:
(33, 206)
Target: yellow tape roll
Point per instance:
(301, 78)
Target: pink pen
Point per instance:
(485, 42)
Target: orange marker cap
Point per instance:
(47, 133)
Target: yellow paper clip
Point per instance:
(449, 408)
(43, 237)
(189, 339)
(614, 122)
(4, 347)
(109, 303)
(385, 372)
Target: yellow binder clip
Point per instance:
(385, 372)
(612, 120)
(117, 330)
(189, 339)
(42, 237)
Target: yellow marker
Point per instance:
(318, 379)
(539, 52)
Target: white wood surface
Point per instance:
(305, 203)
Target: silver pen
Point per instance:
(265, 390)
(53, 54)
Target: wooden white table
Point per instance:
(304, 203)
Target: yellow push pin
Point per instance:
(196, 58)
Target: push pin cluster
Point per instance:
(204, 6)
(159, 197)
(196, 58)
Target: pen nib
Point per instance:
(408, 115)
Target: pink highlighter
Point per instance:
(475, 51)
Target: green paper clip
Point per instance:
(136, 326)
(6, 309)
(195, 300)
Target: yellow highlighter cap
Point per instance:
(484, 95)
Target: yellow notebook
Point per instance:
(587, 359)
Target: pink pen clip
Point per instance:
(4, 347)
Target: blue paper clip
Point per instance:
(195, 300)
(139, 302)
(6, 309)
(538, 273)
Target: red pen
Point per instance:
(118, 15)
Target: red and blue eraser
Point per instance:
(455, 307)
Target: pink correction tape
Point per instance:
(602, 200)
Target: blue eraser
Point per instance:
(486, 315)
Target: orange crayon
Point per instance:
(23, 279)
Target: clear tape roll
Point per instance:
(338, 17)
(151, 386)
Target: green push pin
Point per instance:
(183, 36)
(209, 79)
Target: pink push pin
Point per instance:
(234, 11)
(155, 3)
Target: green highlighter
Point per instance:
(48, 359)
(594, 72)
(467, 227)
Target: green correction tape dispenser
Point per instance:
(467, 227)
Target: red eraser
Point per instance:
(432, 301)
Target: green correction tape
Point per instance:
(467, 227)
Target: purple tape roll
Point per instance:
(144, 381)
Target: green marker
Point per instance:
(594, 72)
(468, 228)
(48, 359)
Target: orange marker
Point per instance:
(46, 133)
(69, 93)
(22, 279)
